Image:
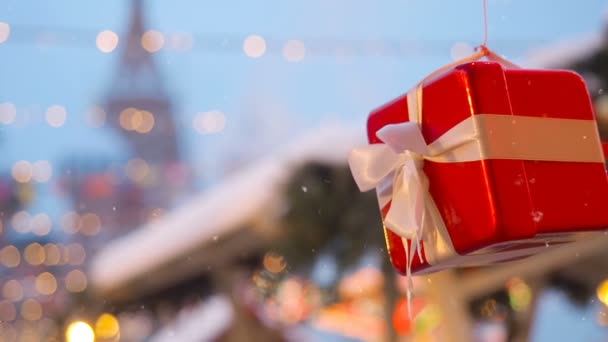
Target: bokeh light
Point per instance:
(42, 171)
(210, 122)
(21, 221)
(22, 171)
(41, 224)
(52, 253)
(132, 119)
(56, 116)
(10, 256)
(294, 51)
(152, 41)
(79, 332)
(31, 310)
(274, 263)
(143, 121)
(46, 284)
(70, 222)
(12, 290)
(8, 113)
(137, 170)
(90, 224)
(602, 292)
(76, 254)
(34, 254)
(107, 41)
(5, 32)
(520, 294)
(254, 46)
(76, 281)
(107, 326)
(8, 311)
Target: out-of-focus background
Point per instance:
(176, 171)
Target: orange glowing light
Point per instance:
(12, 290)
(107, 41)
(152, 41)
(90, 224)
(10, 257)
(75, 281)
(34, 254)
(31, 310)
(46, 284)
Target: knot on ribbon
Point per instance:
(395, 167)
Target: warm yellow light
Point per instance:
(10, 257)
(210, 122)
(12, 290)
(22, 171)
(46, 284)
(96, 116)
(31, 310)
(602, 292)
(42, 171)
(53, 254)
(76, 281)
(8, 113)
(107, 41)
(152, 41)
(34, 254)
(274, 262)
(294, 51)
(145, 122)
(56, 116)
(125, 118)
(106, 326)
(79, 332)
(41, 224)
(5, 31)
(254, 46)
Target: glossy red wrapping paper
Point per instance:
(498, 205)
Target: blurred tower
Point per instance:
(139, 108)
(122, 195)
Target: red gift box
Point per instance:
(502, 209)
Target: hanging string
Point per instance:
(485, 23)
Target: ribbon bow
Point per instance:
(396, 164)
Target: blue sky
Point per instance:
(267, 100)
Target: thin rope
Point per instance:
(485, 23)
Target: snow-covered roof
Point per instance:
(564, 52)
(223, 209)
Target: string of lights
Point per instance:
(252, 45)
